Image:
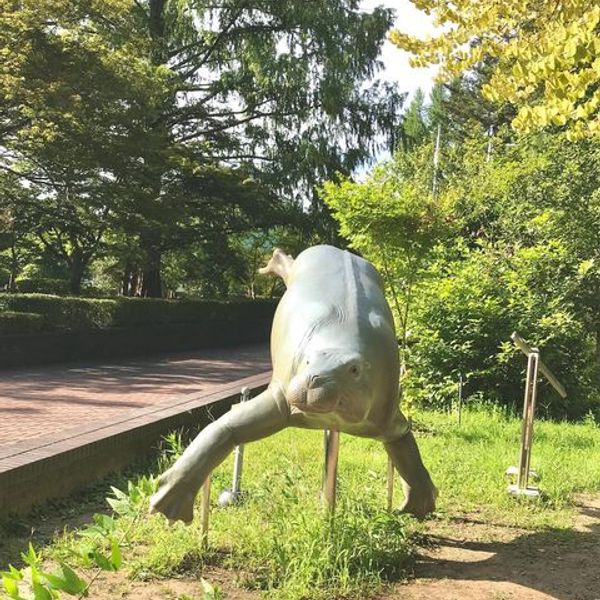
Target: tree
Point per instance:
(277, 92)
(524, 258)
(545, 55)
(16, 225)
(270, 88)
(393, 221)
(70, 98)
(414, 129)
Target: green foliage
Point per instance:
(392, 220)
(130, 503)
(20, 322)
(528, 236)
(75, 314)
(97, 546)
(42, 285)
(139, 132)
(63, 313)
(510, 242)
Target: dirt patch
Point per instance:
(466, 558)
(473, 560)
(116, 586)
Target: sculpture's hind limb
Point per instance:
(252, 420)
(419, 492)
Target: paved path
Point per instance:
(40, 401)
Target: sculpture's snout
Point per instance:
(315, 381)
(323, 377)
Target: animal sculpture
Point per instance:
(335, 366)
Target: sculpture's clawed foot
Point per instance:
(174, 498)
(419, 502)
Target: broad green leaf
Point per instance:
(104, 563)
(115, 554)
(40, 592)
(73, 583)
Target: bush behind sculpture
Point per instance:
(76, 314)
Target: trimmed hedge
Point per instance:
(20, 322)
(44, 329)
(79, 314)
(43, 285)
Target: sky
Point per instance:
(396, 65)
(409, 20)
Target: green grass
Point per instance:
(285, 544)
(468, 465)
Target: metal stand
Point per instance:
(228, 497)
(529, 402)
(534, 366)
(332, 450)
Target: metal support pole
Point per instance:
(228, 497)
(205, 512)
(390, 485)
(332, 450)
(535, 365)
(238, 461)
(528, 416)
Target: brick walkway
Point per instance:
(40, 401)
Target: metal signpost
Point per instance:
(534, 365)
(332, 451)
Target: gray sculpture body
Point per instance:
(335, 366)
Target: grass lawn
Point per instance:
(281, 542)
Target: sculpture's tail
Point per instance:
(280, 264)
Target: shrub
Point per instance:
(462, 323)
(13, 322)
(74, 314)
(63, 313)
(4, 276)
(43, 285)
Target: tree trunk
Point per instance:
(151, 280)
(14, 268)
(76, 269)
(126, 282)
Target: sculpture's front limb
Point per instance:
(419, 491)
(252, 420)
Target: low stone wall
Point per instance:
(37, 470)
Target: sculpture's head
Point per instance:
(328, 378)
(337, 371)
